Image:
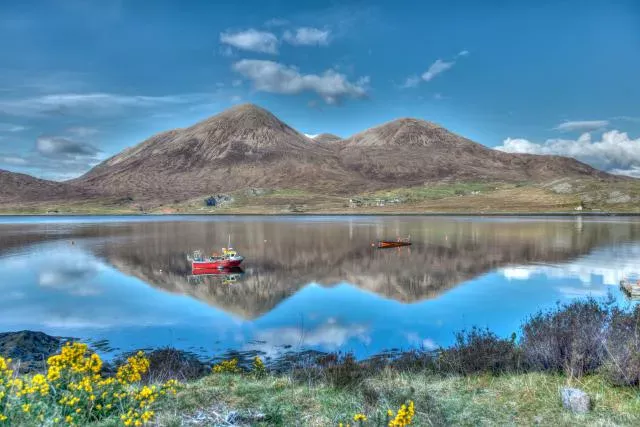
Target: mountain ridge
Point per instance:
(247, 147)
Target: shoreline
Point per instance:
(345, 214)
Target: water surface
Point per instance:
(308, 282)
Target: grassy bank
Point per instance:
(482, 379)
(455, 197)
(513, 399)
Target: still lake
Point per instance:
(308, 282)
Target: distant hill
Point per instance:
(407, 152)
(247, 147)
(18, 187)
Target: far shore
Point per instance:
(329, 213)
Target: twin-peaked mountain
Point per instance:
(248, 147)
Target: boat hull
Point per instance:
(216, 264)
(390, 244)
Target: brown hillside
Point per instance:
(17, 187)
(245, 146)
(410, 152)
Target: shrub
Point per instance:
(569, 339)
(342, 371)
(622, 365)
(479, 350)
(73, 391)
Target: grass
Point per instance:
(459, 197)
(513, 399)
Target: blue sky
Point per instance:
(81, 80)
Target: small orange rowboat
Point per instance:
(381, 244)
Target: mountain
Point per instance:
(408, 152)
(18, 187)
(326, 137)
(245, 146)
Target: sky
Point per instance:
(81, 80)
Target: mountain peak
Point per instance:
(402, 131)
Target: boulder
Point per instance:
(575, 400)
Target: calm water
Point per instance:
(308, 282)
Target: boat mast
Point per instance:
(229, 241)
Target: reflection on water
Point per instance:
(307, 282)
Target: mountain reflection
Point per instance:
(284, 256)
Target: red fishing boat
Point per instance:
(228, 259)
(381, 244)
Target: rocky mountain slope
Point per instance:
(248, 147)
(245, 146)
(407, 152)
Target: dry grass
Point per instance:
(518, 399)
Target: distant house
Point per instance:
(211, 201)
(579, 208)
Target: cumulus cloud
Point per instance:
(582, 125)
(615, 152)
(273, 77)
(463, 53)
(88, 103)
(307, 36)
(252, 40)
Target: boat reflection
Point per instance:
(225, 276)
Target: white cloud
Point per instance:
(252, 40)
(82, 131)
(13, 160)
(51, 146)
(8, 127)
(412, 81)
(87, 103)
(615, 152)
(436, 68)
(307, 36)
(273, 77)
(328, 336)
(276, 22)
(309, 135)
(582, 125)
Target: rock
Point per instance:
(575, 400)
(618, 197)
(232, 418)
(30, 348)
(562, 188)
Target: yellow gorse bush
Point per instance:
(227, 366)
(74, 392)
(403, 418)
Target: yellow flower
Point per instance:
(26, 407)
(228, 366)
(359, 417)
(3, 417)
